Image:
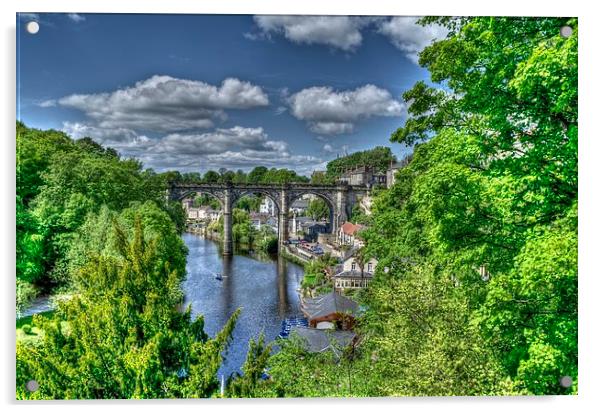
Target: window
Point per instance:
(369, 267)
(353, 266)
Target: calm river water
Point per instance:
(265, 290)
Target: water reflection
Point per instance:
(283, 301)
(265, 289)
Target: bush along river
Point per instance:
(265, 288)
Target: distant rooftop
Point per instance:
(349, 228)
(318, 341)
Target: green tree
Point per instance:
(491, 192)
(240, 177)
(378, 158)
(256, 175)
(249, 203)
(204, 199)
(121, 335)
(247, 384)
(321, 178)
(318, 209)
(211, 177)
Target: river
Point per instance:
(265, 290)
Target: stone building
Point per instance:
(363, 175)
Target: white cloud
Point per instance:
(77, 18)
(345, 32)
(341, 32)
(79, 130)
(409, 37)
(331, 128)
(333, 112)
(47, 103)
(232, 148)
(219, 141)
(328, 148)
(167, 104)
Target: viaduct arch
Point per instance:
(340, 198)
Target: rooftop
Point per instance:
(350, 228)
(317, 341)
(353, 274)
(328, 304)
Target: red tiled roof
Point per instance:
(350, 228)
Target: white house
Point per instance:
(192, 213)
(268, 207)
(348, 234)
(351, 275)
(207, 213)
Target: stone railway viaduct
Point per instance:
(340, 199)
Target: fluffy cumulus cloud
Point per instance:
(345, 32)
(233, 148)
(166, 104)
(331, 149)
(78, 130)
(332, 112)
(127, 142)
(410, 37)
(220, 141)
(341, 32)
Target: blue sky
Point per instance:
(198, 92)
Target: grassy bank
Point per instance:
(25, 329)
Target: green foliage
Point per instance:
(420, 341)
(204, 199)
(318, 209)
(97, 236)
(123, 336)
(26, 328)
(314, 273)
(358, 216)
(476, 288)
(59, 183)
(247, 384)
(258, 175)
(242, 229)
(29, 246)
(379, 158)
(266, 240)
(494, 188)
(321, 178)
(531, 312)
(249, 203)
(25, 292)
